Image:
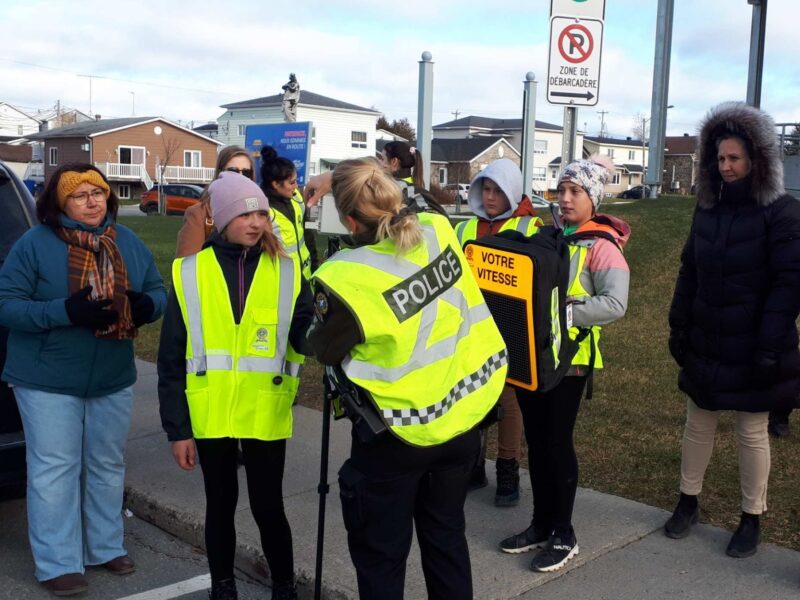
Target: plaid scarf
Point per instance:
(95, 260)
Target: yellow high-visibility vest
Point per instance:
(241, 380)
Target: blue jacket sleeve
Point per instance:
(18, 308)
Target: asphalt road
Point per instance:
(166, 567)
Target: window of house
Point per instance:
(615, 179)
(53, 154)
(442, 175)
(19, 130)
(358, 139)
(539, 173)
(540, 146)
(611, 153)
(124, 191)
(241, 129)
(131, 155)
(554, 173)
(631, 154)
(191, 158)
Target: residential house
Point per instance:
(383, 137)
(16, 157)
(339, 130)
(14, 123)
(458, 160)
(133, 152)
(629, 156)
(210, 130)
(547, 145)
(58, 117)
(680, 164)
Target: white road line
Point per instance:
(175, 590)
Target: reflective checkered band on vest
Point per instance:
(221, 360)
(465, 387)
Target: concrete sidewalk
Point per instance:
(623, 552)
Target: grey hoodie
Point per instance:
(508, 178)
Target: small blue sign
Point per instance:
(290, 140)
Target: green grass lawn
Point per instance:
(628, 437)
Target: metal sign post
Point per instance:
(570, 135)
(425, 113)
(528, 131)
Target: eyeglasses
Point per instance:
(98, 195)
(245, 172)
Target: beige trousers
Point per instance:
(752, 444)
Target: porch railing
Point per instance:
(188, 174)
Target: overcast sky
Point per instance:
(182, 60)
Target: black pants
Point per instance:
(549, 420)
(388, 486)
(263, 463)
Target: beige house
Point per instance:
(629, 156)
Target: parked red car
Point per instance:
(178, 197)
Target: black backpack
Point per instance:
(553, 350)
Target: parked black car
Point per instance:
(19, 215)
(635, 192)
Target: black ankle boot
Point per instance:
(745, 539)
(685, 515)
(284, 591)
(223, 589)
(507, 482)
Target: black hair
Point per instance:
(274, 168)
(410, 160)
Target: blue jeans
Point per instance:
(76, 477)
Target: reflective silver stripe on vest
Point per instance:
(461, 232)
(423, 354)
(462, 389)
(219, 361)
(522, 224)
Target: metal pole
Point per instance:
(425, 113)
(658, 112)
(570, 134)
(757, 34)
(528, 131)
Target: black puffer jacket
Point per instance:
(737, 296)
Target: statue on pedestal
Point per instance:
(291, 96)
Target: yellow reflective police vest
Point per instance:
(292, 232)
(241, 379)
(433, 360)
(526, 225)
(576, 291)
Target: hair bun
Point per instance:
(268, 153)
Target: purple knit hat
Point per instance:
(232, 195)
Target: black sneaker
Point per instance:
(558, 550)
(524, 542)
(745, 539)
(685, 515)
(778, 430)
(507, 493)
(223, 589)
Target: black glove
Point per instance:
(766, 370)
(142, 307)
(677, 345)
(89, 313)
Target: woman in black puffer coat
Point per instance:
(732, 319)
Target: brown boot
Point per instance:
(68, 584)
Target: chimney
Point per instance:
(685, 135)
(628, 138)
(97, 117)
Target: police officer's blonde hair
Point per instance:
(365, 191)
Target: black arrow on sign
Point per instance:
(587, 95)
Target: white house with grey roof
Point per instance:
(339, 130)
(629, 157)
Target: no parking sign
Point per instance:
(573, 74)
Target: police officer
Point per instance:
(404, 319)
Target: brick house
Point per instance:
(132, 152)
(459, 160)
(680, 164)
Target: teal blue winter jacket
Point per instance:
(45, 351)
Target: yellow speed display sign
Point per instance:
(506, 280)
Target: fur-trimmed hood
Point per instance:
(758, 130)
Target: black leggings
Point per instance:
(263, 463)
(549, 419)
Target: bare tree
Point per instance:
(170, 146)
(639, 128)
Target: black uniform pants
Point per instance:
(263, 463)
(388, 486)
(549, 420)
